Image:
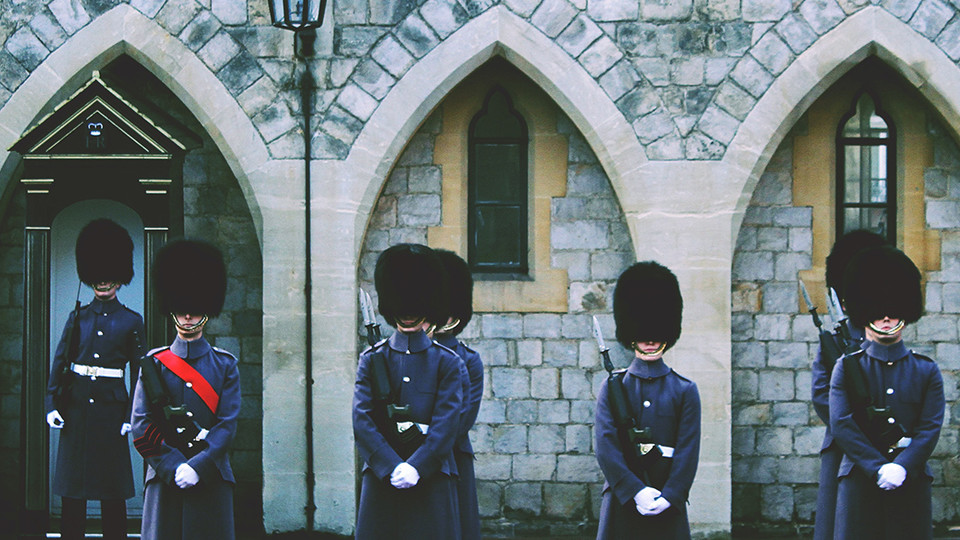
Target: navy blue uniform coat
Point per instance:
(670, 405)
(93, 460)
(204, 511)
(911, 385)
(429, 378)
(462, 448)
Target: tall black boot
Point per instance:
(114, 519)
(73, 521)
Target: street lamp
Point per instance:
(302, 16)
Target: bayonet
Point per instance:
(604, 350)
(369, 318)
(810, 307)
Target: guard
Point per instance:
(648, 416)
(830, 453)
(886, 405)
(186, 404)
(460, 308)
(86, 395)
(407, 404)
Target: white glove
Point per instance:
(125, 428)
(185, 477)
(645, 499)
(54, 419)
(659, 505)
(891, 476)
(404, 476)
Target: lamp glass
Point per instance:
(297, 14)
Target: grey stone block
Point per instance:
(417, 36)
(600, 56)
(734, 100)
(510, 439)
(523, 8)
(822, 15)
(541, 325)
(419, 151)
(575, 384)
(931, 17)
(534, 467)
(619, 79)
(902, 9)
(753, 415)
(392, 56)
(743, 441)
(552, 16)
(544, 383)
(175, 14)
(799, 470)
(522, 411)
(788, 355)
(47, 30)
(776, 441)
(509, 325)
(660, 10)
(779, 297)
(493, 467)
(583, 411)
(764, 10)
(773, 53)
(943, 214)
(219, 50)
(493, 351)
(776, 502)
(555, 412)
(653, 126)
(546, 439)
(797, 33)
(26, 48)
(577, 326)
(790, 413)
(510, 383)
(655, 70)
(239, 73)
(612, 10)
(564, 500)
(753, 266)
(751, 76)
(419, 210)
(579, 35)
(776, 385)
(949, 40)
(523, 498)
(788, 265)
(444, 16)
(578, 439)
(275, 120)
(578, 469)
(701, 147)
(373, 79)
(492, 411)
(72, 16)
(755, 470)
(580, 235)
(718, 125)
(530, 352)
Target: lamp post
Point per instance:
(302, 16)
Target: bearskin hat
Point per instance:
(104, 253)
(190, 277)
(882, 282)
(843, 250)
(410, 281)
(647, 305)
(460, 288)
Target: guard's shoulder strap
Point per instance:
(190, 375)
(151, 380)
(855, 380)
(619, 402)
(380, 376)
(922, 356)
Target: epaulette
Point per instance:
(444, 347)
(679, 375)
(158, 349)
(376, 345)
(224, 351)
(468, 348)
(922, 356)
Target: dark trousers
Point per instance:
(866, 512)
(73, 522)
(830, 459)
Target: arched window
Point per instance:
(866, 170)
(497, 186)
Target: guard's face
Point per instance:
(106, 290)
(649, 351)
(189, 325)
(411, 323)
(885, 330)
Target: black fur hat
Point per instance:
(843, 250)
(410, 281)
(460, 285)
(190, 277)
(882, 281)
(647, 305)
(104, 252)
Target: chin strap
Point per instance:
(649, 355)
(189, 328)
(889, 332)
(449, 326)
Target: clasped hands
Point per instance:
(404, 476)
(891, 476)
(185, 477)
(649, 502)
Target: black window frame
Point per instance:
(890, 142)
(501, 270)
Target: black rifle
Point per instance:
(65, 376)
(392, 419)
(179, 428)
(640, 452)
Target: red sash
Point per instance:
(185, 371)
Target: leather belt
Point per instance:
(666, 451)
(96, 371)
(403, 426)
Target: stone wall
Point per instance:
(776, 433)
(13, 210)
(535, 468)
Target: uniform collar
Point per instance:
(190, 349)
(447, 340)
(108, 306)
(648, 370)
(885, 353)
(414, 342)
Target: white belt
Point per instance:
(97, 371)
(403, 426)
(667, 451)
(903, 442)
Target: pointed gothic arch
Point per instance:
(871, 31)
